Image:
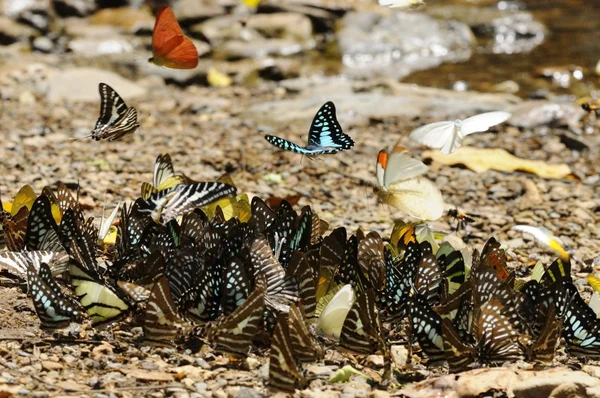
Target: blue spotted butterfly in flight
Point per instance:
(325, 135)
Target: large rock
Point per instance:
(189, 11)
(96, 47)
(563, 383)
(401, 43)
(74, 8)
(517, 383)
(531, 114)
(282, 25)
(499, 31)
(81, 84)
(355, 108)
(235, 37)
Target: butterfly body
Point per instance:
(116, 119)
(170, 47)
(325, 136)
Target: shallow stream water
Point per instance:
(573, 38)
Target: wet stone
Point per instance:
(401, 43)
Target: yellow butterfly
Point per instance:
(24, 198)
(164, 177)
(238, 206)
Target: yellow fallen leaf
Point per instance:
(484, 159)
(218, 79)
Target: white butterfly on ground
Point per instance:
(402, 186)
(447, 136)
(401, 3)
(106, 223)
(334, 314)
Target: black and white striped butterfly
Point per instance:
(325, 136)
(164, 206)
(116, 119)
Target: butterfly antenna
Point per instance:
(145, 117)
(139, 59)
(73, 139)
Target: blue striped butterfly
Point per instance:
(325, 136)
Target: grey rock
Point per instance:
(74, 8)
(355, 108)
(11, 31)
(81, 84)
(196, 10)
(401, 43)
(555, 384)
(236, 49)
(282, 25)
(95, 47)
(500, 31)
(43, 44)
(14, 8)
(262, 35)
(32, 12)
(531, 114)
(219, 29)
(246, 392)
(516, 33)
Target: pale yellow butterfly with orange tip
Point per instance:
(544, 237)
(402, 185)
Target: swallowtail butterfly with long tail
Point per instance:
(162, 321)
(234, 333)
(284, 372)
(164, 206)
(164, 176)
(360, 332)
(325, 136)
(116, 119)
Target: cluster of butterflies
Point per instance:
(195, 261)
(400, 177)
(401, 186)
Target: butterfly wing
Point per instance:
(163, 170)
(326, 132)
(435, 135)
(287, 145)
(170, 47)
(125, 124)
(397, 166)
(482, 122)
(111, 105)
(418, 197)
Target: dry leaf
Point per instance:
(484, 159)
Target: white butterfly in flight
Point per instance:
(447, 136)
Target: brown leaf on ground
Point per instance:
(484, 159)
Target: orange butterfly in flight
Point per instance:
(170, 47)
